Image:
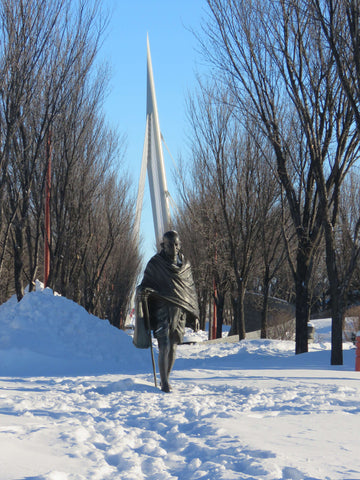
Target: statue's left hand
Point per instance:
(144, 293)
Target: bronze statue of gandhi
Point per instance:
(169, 289)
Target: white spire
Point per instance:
(153, 161)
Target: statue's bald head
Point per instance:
(170, 235)
(171, 244)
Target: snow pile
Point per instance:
(46, 334)
(78, 402)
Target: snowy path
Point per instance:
(251, 424)
(77, 402)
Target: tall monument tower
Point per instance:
(153, 163)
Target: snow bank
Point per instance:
(46, 334)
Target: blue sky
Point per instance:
(175, 61)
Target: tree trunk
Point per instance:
(302, 304)
(302, 317)
(337, 315)
(238, 323)
(264, 311)
(202, 318)
(234, 330)
(18, 262)
(336, 297)
(241, 312)
(220, 300)
(202, 310)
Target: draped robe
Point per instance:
(172, 283)
(167, 282)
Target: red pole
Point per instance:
(47, 210)
(357, 353)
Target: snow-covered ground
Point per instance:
(78, 401)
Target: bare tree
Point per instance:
(339, 20)
(272, 56)
(232, 184)
(196, 225)
(272, 248)
(47, 46)
(346, 252)
(48, 83)
(339, 23)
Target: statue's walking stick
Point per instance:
(147, 319)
